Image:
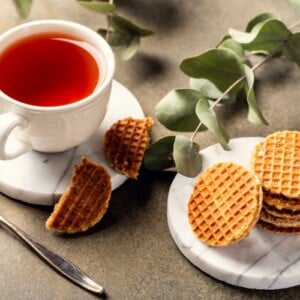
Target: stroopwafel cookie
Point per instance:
(279, 221)
(84, 202)
(277, 229)
(225, 204)
(125, 144)
(281, 202)
(287, 214)
(276, 161)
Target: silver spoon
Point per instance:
(60, 264)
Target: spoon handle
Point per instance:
(60, 264)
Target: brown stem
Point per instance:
(108, 20)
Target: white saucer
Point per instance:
(40, 178)
(264, 260)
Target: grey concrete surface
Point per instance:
(130, 252)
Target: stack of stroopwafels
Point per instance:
(276, 162)
(225, 204)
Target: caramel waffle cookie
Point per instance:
(225, 204)
(276, 161)
(278, 221)
(84, 202)
(281, 202)
(276, 229)
(125, 144)
(286, 214)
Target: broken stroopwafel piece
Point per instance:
(125, 144)
(84, 202)
(225, 204)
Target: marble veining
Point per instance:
(40, 178)
(263, 260)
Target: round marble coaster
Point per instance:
(40, 178)
(263, 260)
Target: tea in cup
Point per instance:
(55, 83)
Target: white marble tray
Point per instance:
(40, 178)
(264, 260)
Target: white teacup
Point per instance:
(25, 127)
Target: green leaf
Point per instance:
(97, 6)
(210, 91)
(220, 66)
(209, 119)
(124, 44)
(186, 156)
(176, 111)
(206, 87)
(124, 36)
(295, 4)
(254, 114)
(260, 19)
(231, 44)
(267, 38)
(124, 25)
(23, 7)
(159, 155)
(292, 48)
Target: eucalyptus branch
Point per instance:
(227, 91)
(121, 33)
(108, 21)
(242, 78)
(217, 74)
(215, 103)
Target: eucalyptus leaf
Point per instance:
(267, 38)
(176, 111)
(124, 25)
(260, 19)
(23, 7)
(124, 44)
(254, 114)
(210, 91)
(229, 43)
(127, 51)
(220, 66)
(292, 48)
(97, 6)
(206, 87)
(159, 155)
(186, 156)
(209, 119)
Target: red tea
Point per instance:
(48, 70)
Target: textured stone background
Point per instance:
(130, 252)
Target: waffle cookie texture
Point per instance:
(225, 204)
(125, 144)
(84, 202)
(276, 161)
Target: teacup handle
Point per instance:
(8, 122)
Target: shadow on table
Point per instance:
(133, 197)
(157, 14)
